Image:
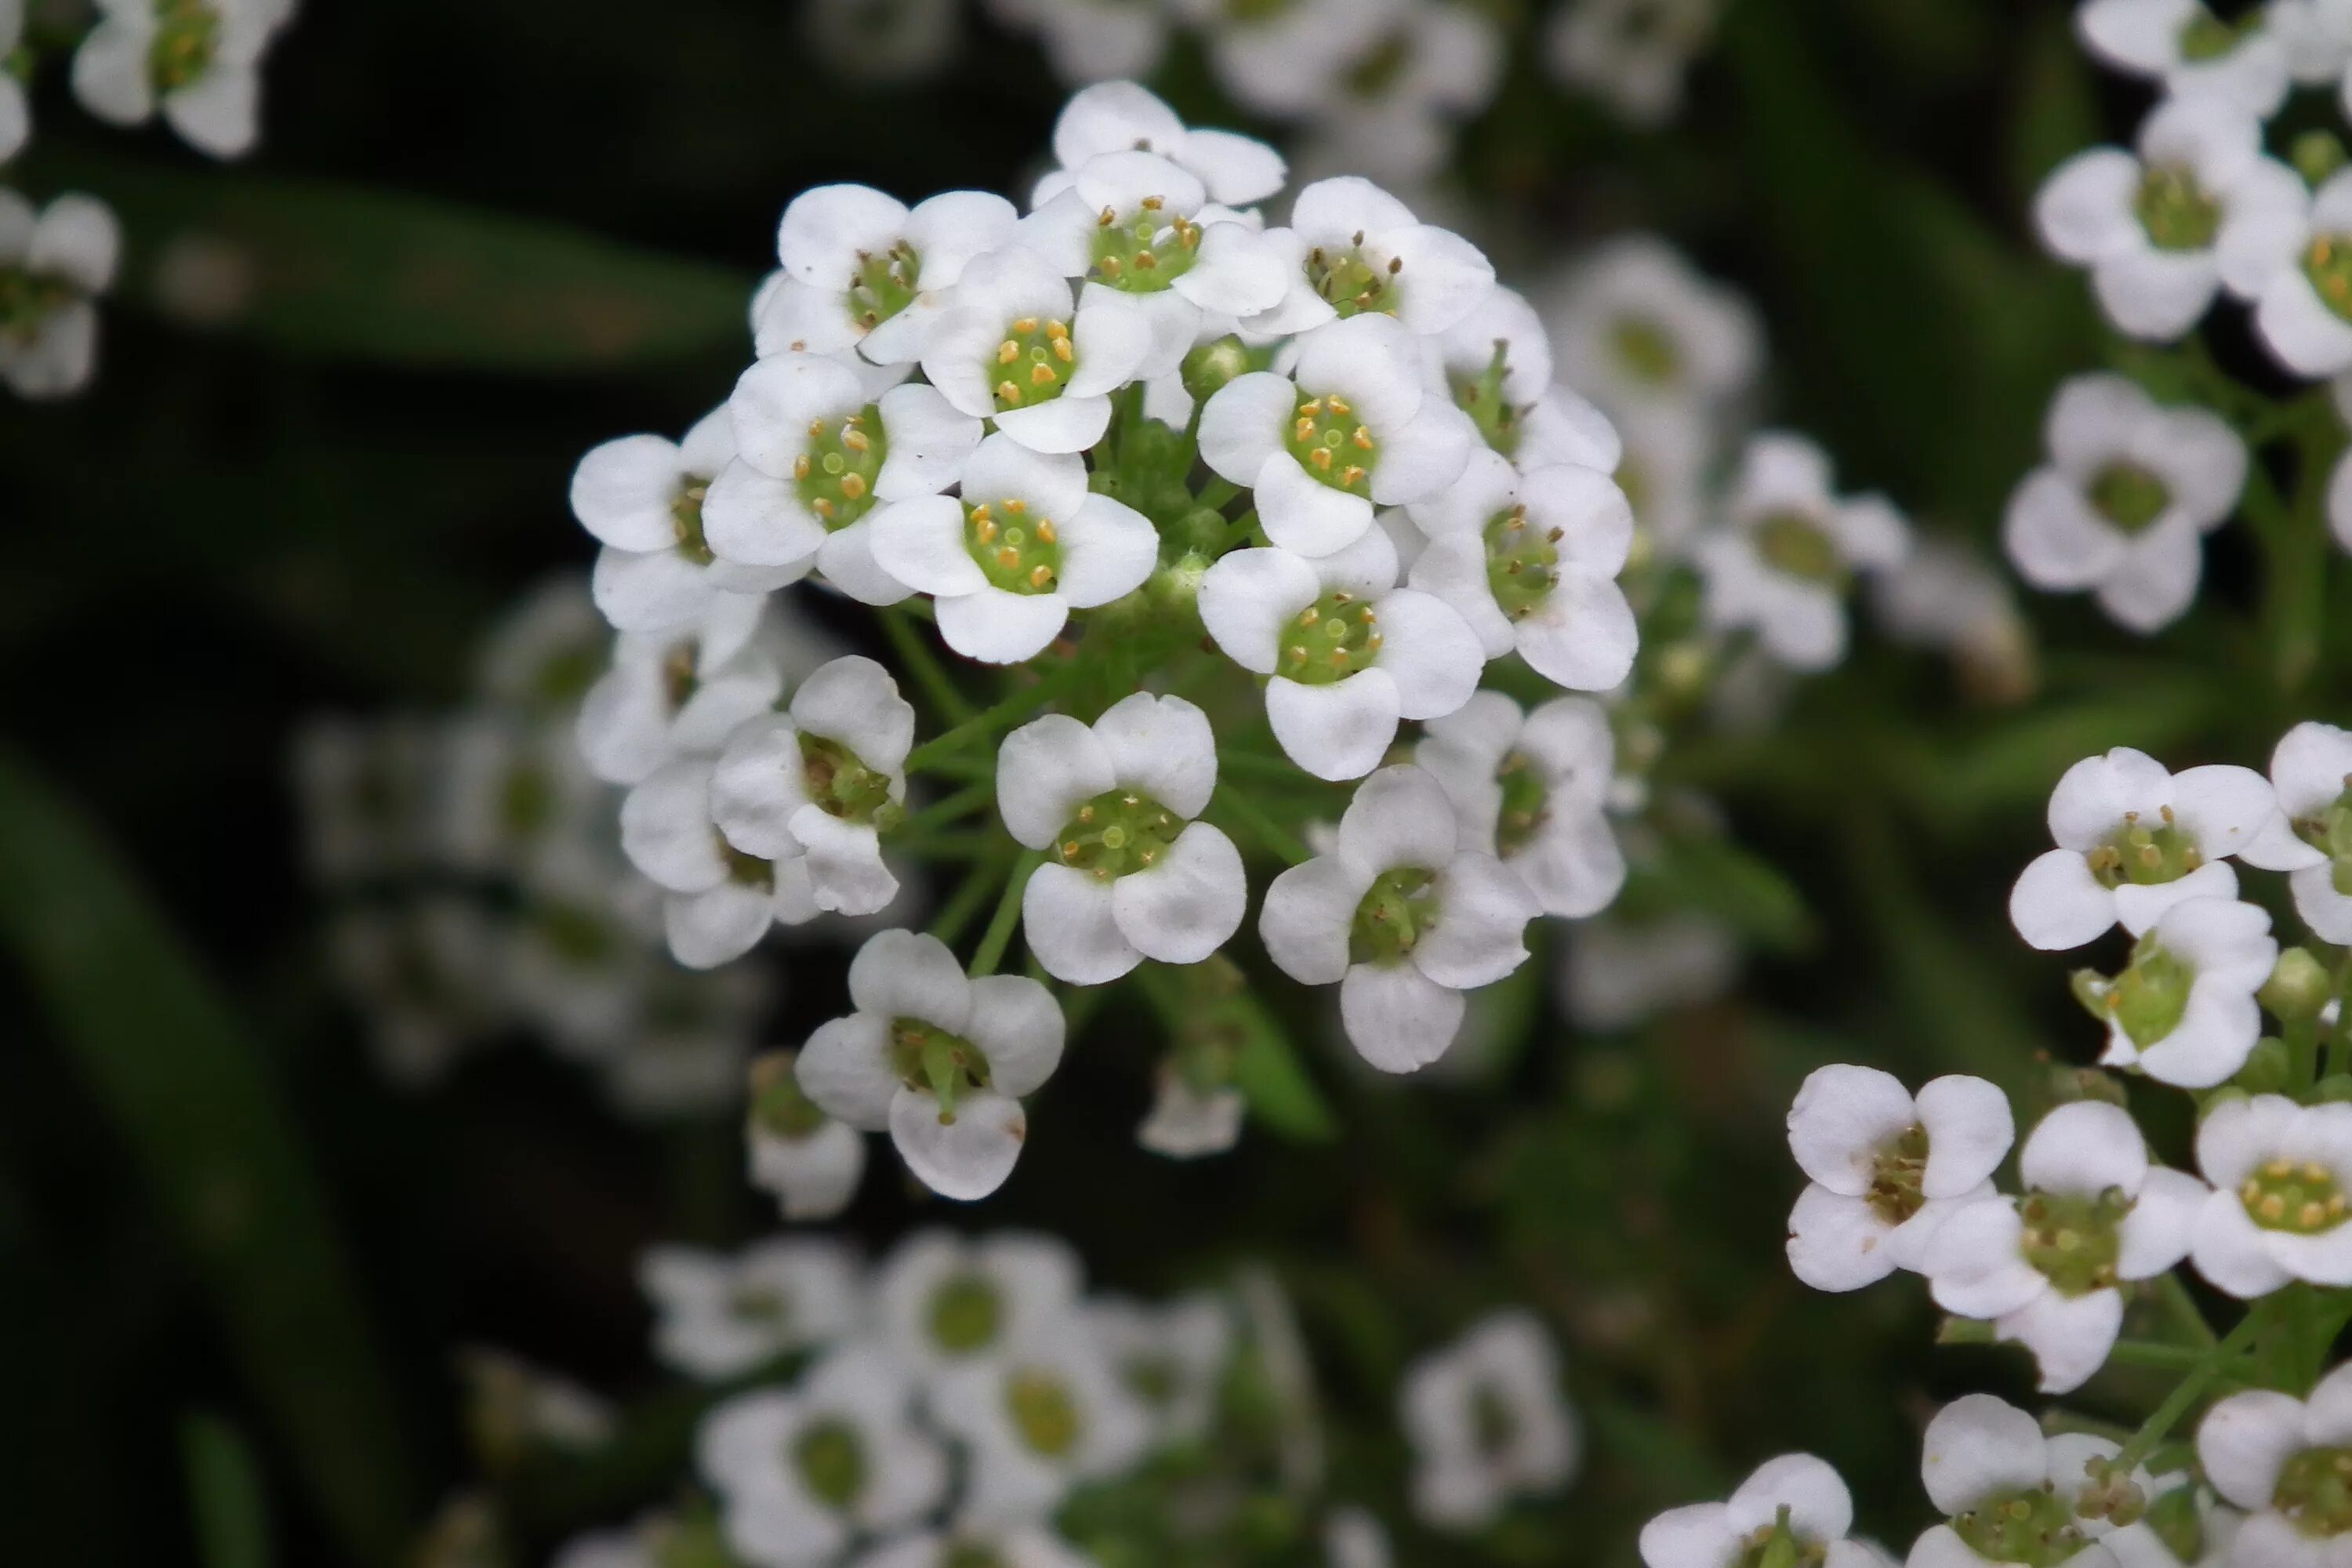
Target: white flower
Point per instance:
(1663, 472)
(1796, 1499)
(936, 1058)
(1532, 787)
(945, 1302)
(1186, 1122)
(424, 977)
(544, 651)
(1092, 40)
(1356, 427)
(2134, 840)
(197, 60)
(812, 1163)
(1529, 559)
(817, 457)
(1119, 116)
(1620, 972)
(2280, 1174)
(1141, 234)
(1352, 249)
(1886, 1169)
(1488, 1423)
(1347, 652)
(1635, 326)
(1631, 54)
(511, 794)
(1132, 875)
(1385, 103)
(363, 787)
(2192, 53)
(883, 40)
(1171, 1357)
(863, 270)
(1010, 347)
(2311, 772)
(1353, 1538)
(717, 1317)
(577, 960)
(2296, 267)
(1018, 1546)
(2045, 1267)
(1781, 569)
(803, 1473)
(1401, 916)
(2183, 1010)
(678, 693)
(1945, 596)
(54, 262)
(1026, 543)
(721, 899)
(1048, 1414)
(2197, 209)
(2281, 1459)
(15, 107)
(2011, 1493)
(1496, 362)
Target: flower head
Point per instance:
(1795, 1503)
(1781, 570)
(1487, 1421)
(54, 261)
(1532, 788)
(720, 1317)
(2183, 1009)
(2285, 1461)
(2281, 1174)
(197, 60)
(1017, 346)
(863, 270)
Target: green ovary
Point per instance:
(841, 785)
(2328, 264)
(1330, 640)
(526, 801)
(2074, 1241)
(685, 521)
(2035, 1527)
(1647, 351)
(830, 1458)
(186, 42)
(1115, 833)
(2174, 210)
(928, 1059)
(882, 285)
(2329, 830)
(1896, 1173)
(835, 475)
(1033, 363)
(2302, 1198)
(1521, 563)
(1332, 444)
(1799, 545)
(1481, 397)
(759, 1304)
(1145, 253)
(2150, 997)
(966, 1315)
(1524, 804)
(2314, 1491)
(27, 301)
(2130, 495)
(2205, 36)
(1017, 551)
(2146, 856)
(1777, 1545)
(1043, 1412)
(1350, 283)
(1392, 916)
(971, 1555)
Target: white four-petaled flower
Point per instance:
(1487, 1421)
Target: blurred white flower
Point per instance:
(1488, 1423)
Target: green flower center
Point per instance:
(926, 1057)
(1018, 552)
(27, 301)
(2034, 1527)
(2074, 1241)
(1526, 804)
(1647, 351)
(2130, 495)
(1777, 1545)
(2175, 210)
(1330, 443)
(1520, 562)
(2314, 1491)
(2149, 998)
(830, 1458)
(1351, 285)
(1032, 363)
(2302, 1199)
(1481, 397)
(1332, 638)
(526, 801)
(967, 1314)
(1799, 545)
(2205, 36)
(971, 1555)
(2328, 265)
(783, 1107)
(1153, 1379)
(1146, 252)
(1119, 832)
(748, 869)
(762, 1304)
(841, 784)
(2330, 831)
(1381, 66)
(187, 39)
(685, 521)
(581, 937)
(1493, 1426)
(835, 475)
(1896, 1170)
(882, 285)
(1391, 916)
(680, 673)
(1044, 1412)
(2147, 856)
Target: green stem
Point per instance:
(2182, 1306)
(2141, 1352)
(991, 951)
(1012, 710)
(2176, 1403)
(951, 807)
(924, 665)
(1217, 492)
(1264, 828)
(964, 903)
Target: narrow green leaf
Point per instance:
(225, 1493)
(191, 1099)
(1267, 1071)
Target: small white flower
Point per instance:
(803, 1473)
(1010, 347)
(2311, 772)
(1348, 653)
(1131, 875)
(1796, 1499)
(1886, 1169)
(1025, 543)
(1357, 428)
(2199, 209)
(2281, 1173)
(1488, 1423)
(1529, 559)
(1631, 54)
(1353, 249)
(1018, 1546)
(2045, 1267)
(945, 1302)
(2183, 1010)
(883, 40)
(55, 261)
(1186, 1122)
(863, 270)
(717, 1317)
(1782, 568)
(2134, 840)
(15, 107)
(2280, 1458)
(678, 693)
(817, 457)
(1048, 1414)
(720, 899)
(1171, 1357)
(1353, 1538)
(1532, 787)
(2192, 53)
(1120, 116)
(2296, 268)
(1618, 971)
(1496, 363)
(577, 960)
(1947, 597)
(812, 1163)
(1092, 40)
(364, 788)
(1401, 916)
(938, 1059)
(197, 60)
(511, 794)
(1635, 326)
(1668, 453)
(2010, 1492)
(422, 974)
(1387, 103)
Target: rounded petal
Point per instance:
(2083, 1148)
(1243, 423)
(1429, 651)
(1977, 1445)
(1841, 1117)
(1299, 512)
(998, 627)
(2246, 1440)
(2158, 1232)
(1979, 1271)
(1307, 915)
(1398, 1018)
(1336, 732)
(1248, 597)
(1017, 1022)
(1044, 771)
(1483, 913)
(1107, 549)
(844, 1067)
(1188, 906)
(1818, 1506)
(1838, 1243)
(1162, 746)
(1969, 1131)
(965, 1155)
(2058, 903)
(1067, 919)
(1400, 817)
(906, 974)
(2069, 1336)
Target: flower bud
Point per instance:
(2267, 1067)
(2298, 987)
(2316, 155)
(1212, 365)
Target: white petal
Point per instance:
(666, 828)
(1838, 1243)
(1422, 456)
(109, 73)
(998, 627)
(1970, 1129)
(1398, 817)
(220, 111)
(1429, 651)
(1977, 1270)
(1017, 1022)
(1818, 1504)
(1307, 915)
(2138, 906)
(1697, 1535)
(902, 975)
(708, 929)
(928, 442)
(2083, 208)
(2157, 1233)
(1067, 919)
(1107, 550)
(1336, 732)
(2058, 903)
(845, 561)
(1162, 746)
(1483, 913)
(2246, 1440)
(1247, 598)
(922, 544)
(2070, 1337)
(2157, 580)
(1299, 512)
(1068, 425)
(2082, 1149)
(1188, 906)
(1977, 1445)
(1582, 636)
(622, 492)
(1443, 278)
(844, 1067)
(844, 860)
(1243, 422)
(755, 520)
(1044, 771)
(853, 700)
(1398, 1018)
(967, 1156)
(1842, 1114)
(2054, 538)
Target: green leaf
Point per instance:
(326, 269)
(1267, 1071)
(189, 1095)
(1714, 876)
(224, 1494)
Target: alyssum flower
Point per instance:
(812, 1163)
(1488, 1423)
(2296, 268)
(2311, 769)
(1795, 1503)
(1352, 249)
(54, 262)
(1047, 1415)
(1015, 345)
(2193, 53)
(197, 60)
(2183, 1010)
(1118, 116)
(1533, 787)
(2285, 1461)
(2281, 1174)
(862, 270)
(1636, 327)
(678, 693)
(946, 1300)
(719, 1317)
(2011, 1494)
(719, 899)
(1496, 362)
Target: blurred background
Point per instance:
(342, 385)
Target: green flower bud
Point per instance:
(1212, 365)
(2268, 1068)
(2316, 155)
(2298, 987)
